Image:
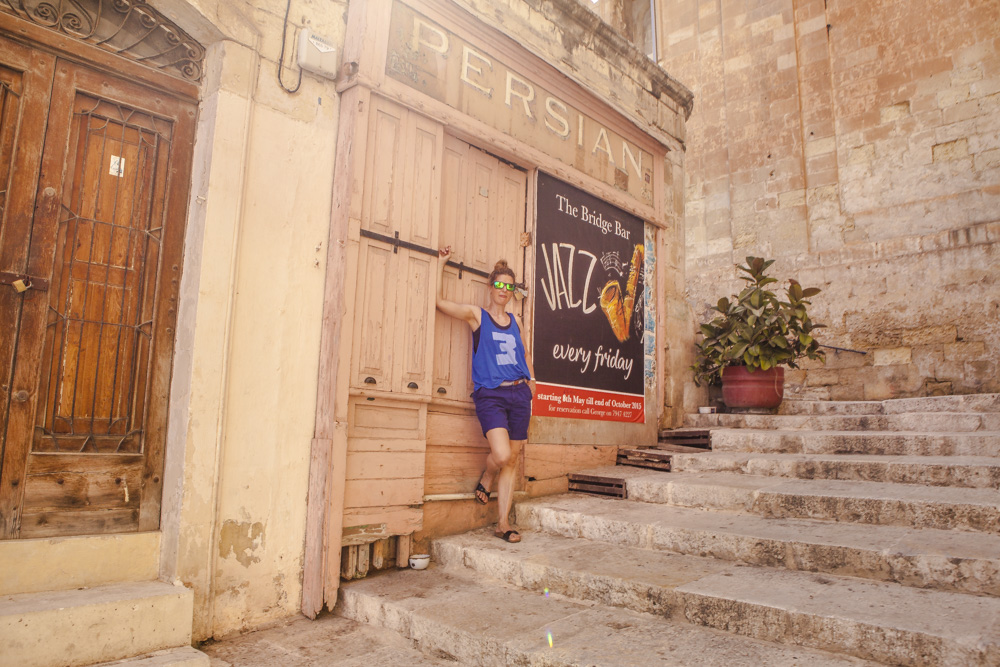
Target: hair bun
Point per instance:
(502, 268)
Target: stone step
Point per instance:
(980, 443)
(832, 500)
(185, 656)
(957, 471)
(93, 625)
(480, 622)
(901, 625)
(77, 562)
(946, 560)
(326, 641)
(953, 422)
(807, 407)
(985, 403)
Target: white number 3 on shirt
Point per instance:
(507, 348)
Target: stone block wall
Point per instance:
(859, 144)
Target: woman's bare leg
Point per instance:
(501, 465)
(498, 457)
(505, 489)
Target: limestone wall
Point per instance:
(859, 145)
(243, 398)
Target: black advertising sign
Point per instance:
(589, 309)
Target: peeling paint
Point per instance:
(241, 540)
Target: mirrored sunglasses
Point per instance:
(499, 284)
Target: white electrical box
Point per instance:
(317, 55)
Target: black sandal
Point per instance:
(509, 534)
(485, 498)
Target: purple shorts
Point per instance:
(504, 407)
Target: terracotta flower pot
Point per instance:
(760, 389)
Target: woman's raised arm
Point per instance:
(462, 311)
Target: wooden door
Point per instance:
(394, 299)
(96, 175)
(394, 304)
(393, 311)
(25, 81)
(482, 218)
(402, 173)
(374, 339)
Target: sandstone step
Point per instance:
(326, 641)
(980, 443)
(954, 422)
(77, 562)
(792, 422)
(833, 500)
(87, 626)
(479, 622)
(807, 407)
(985, 403)
(185, 656)
(901, 625)
(959, 471)
(948, 560)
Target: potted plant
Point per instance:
(755, 334)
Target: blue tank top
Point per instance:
(497, 353)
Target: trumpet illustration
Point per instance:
(618, 308)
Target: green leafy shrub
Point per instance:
(756, 329)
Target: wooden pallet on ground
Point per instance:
(597, 486)
(698, 438)
(645, 458)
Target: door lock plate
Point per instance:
(22, 283)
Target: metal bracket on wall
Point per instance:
(397, 243)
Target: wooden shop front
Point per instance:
(454, 134)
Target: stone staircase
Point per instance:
(97, 601)
(131, 624)
(831, 533)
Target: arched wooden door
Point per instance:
(94, 177)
